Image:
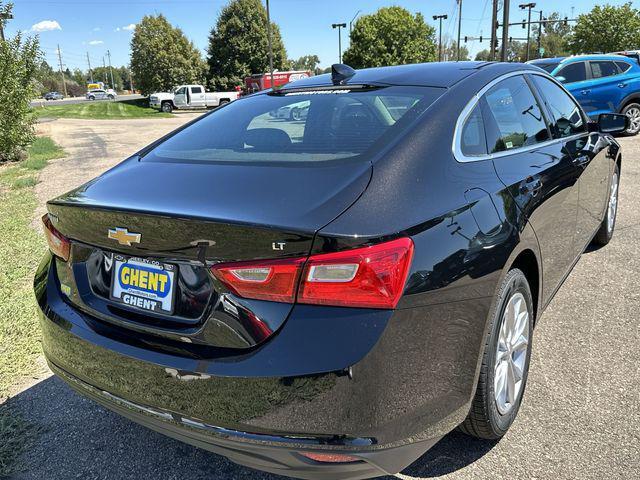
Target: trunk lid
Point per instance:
(189, 216)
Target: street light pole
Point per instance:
(529, 6)
(270, 44)
(459, 26)
(353, 20)
(339, 26)
(440, 18)
(505, 30)
(3, 18)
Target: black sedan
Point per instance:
(328, 296)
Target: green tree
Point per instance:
(391, 36)
(606, 29)
(554, 40)
(450, 51)
(483, 55)
(238, 44)
(20, 59)
(308, 62)
(162, 56)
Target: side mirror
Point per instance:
(612, 123)
(561, 79)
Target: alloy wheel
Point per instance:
(511, 353)
(634, 117)
(613, 203)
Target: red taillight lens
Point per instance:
(273, 280)
(371, 277)
(330, 457)
(58, 243)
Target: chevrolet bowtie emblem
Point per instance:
(123, 237)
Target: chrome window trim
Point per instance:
(456, 147)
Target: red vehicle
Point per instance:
(262, 81)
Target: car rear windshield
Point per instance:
(309, 125)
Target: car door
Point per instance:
(537, 171)
(606, 87)
(588, 154)
(574, 77)
(197, 97)
(180, 97)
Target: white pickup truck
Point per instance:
(187, 97)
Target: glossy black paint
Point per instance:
(360, 380)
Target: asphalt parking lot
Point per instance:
(581, 412)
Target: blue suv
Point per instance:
(600, 83)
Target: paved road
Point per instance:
(71, 100)
(580, 418)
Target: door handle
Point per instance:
(585, 92)
(581, 160)
(622, 85)
(532, 186)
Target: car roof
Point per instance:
(435, 74)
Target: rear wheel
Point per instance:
(224, 101)
(633, 112)
(111, 97)
(92, 97)
(167, 107)
(605, 233)
(505, 364)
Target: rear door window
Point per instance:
(567, 117)
(602, 69)
(311, 125)
(623, 66)
(516, 118)
(573, 72)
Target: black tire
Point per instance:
(632, 110)
(166, 107)
(111, 97)
(224, 101)
(485, 420)
(92, 98)
(605, 232)
(295, 114)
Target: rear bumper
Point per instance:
(384, 388)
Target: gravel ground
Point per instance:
(581, 411)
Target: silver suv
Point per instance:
(100, 94)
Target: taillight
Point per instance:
(369, 277)
(273, 280)
(58, 243)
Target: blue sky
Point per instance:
(81, 26)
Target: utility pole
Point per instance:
(505, 30)
(3, 18)
(459, 25)
(104, 69)
(64, 85)
(525, 6)
(540, 35)
(339, 26)
(269, 41)
(113, 85)
(90, 71)
(131, 81)
(353, 21)
(440, 17)
(494, 31)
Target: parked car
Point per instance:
(632, 54)
(101, 94)
(294, 112)
(53, 96)
(189, 97)
(601, 83)
(330, 305)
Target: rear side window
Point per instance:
(473, 140)
(601, 69)
(319, 125)
(573, 72)
(516, 116)
(567, 119)
(623, 66)
(196, 90)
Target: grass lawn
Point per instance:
(21, 249)
(101, 110)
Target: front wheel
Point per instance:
(633, 112)
(605, 233)
(505, 363)
(92, 98)
(167, 107)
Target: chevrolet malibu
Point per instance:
(327, 297)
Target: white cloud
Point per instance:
(46, 26)
(129, 27)
(96, 42)
(97, 29)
